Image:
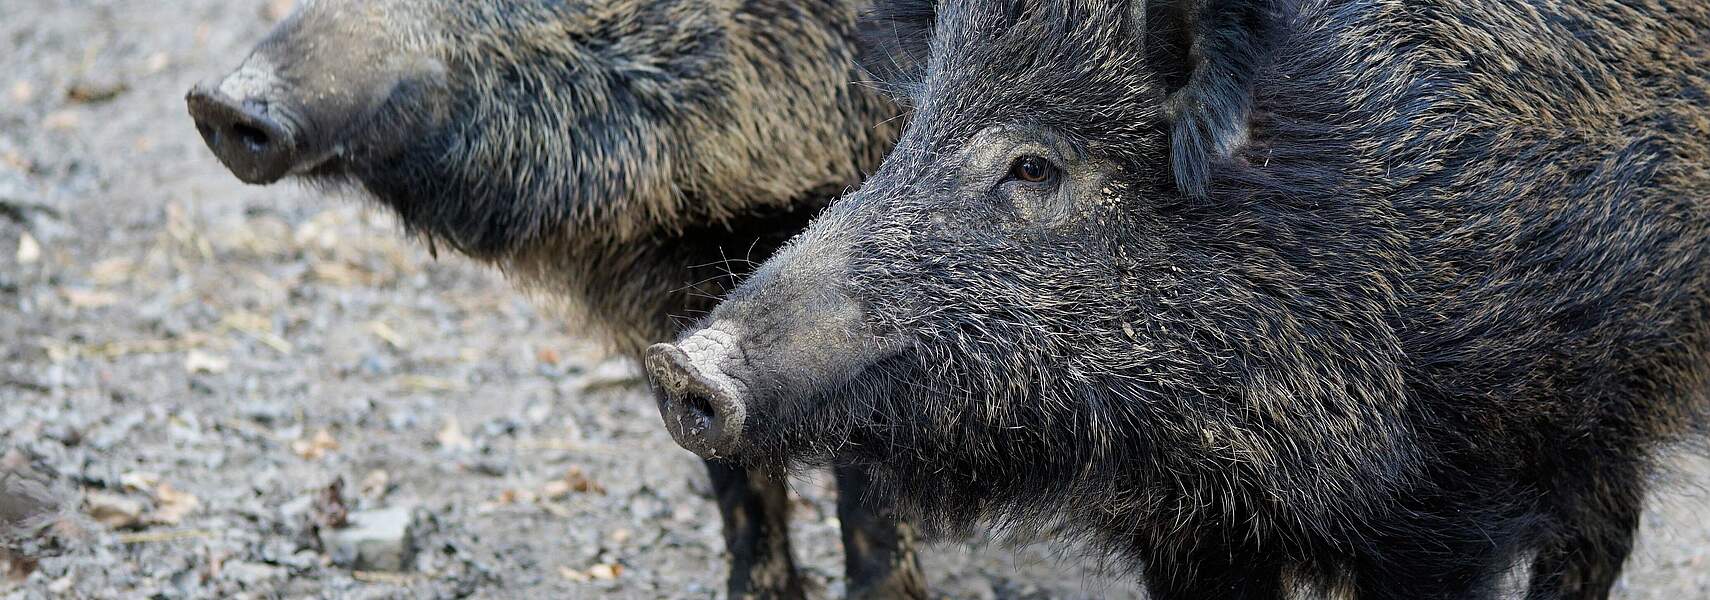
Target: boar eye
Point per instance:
(1032, 169)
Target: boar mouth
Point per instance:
(704, 410)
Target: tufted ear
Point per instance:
(896, 39)
(1210, 52)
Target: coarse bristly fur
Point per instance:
(630, 159)
(1436, 313)
(622, 156)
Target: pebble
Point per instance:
(376, 540)
(252, 575)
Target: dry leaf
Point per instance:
(547, 355)
(81, 298)
(139, 481)
(89, 92)
(424, 383)
(599, 572)
(451, 436)
(316, 446)
(385, 332)
(257, 327)
(60, 120)
(376, 483)
(557, 510)
(573, 480)
(515, 496)
(171, 505)
(382, 577)
(112, 271)
(555, 489)
(605, 571)
(339, 274)
(22, 91)
(277, 10)
(29, 250)
(113, 510)
(197, 361)
(16, 567)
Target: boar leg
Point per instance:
(878, 547)
(1585, 565)
(756, 513)
(1210, 572)
(1424, 569)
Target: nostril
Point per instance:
(244, 134)
(697, 404)
(252, 137)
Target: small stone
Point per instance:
(22, 91)
(197, 361)
(297, 510)
(113, 510)
(376, 540)
(252, 575)
(450, 436)
(62, 586)
(537, 412)
(29, 250)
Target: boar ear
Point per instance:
(896, 39)
(1209, 53)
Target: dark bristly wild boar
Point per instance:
(1437, 304)
(629, 158)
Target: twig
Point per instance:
(382, 577)
(151, 537)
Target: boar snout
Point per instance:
(703, 407)
(233, 117)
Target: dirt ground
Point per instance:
(194, 361)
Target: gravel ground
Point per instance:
(196, 362)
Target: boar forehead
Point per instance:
(1078, 67)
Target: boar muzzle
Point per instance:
(703, 408)
(240, 123)
(248, 140)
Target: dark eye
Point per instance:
(1032, 169)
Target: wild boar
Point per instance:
(1435, 306)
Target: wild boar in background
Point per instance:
(627, 157)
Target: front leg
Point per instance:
(1585, 561)
(1202, 570)
(756, 512)
(878, 548)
